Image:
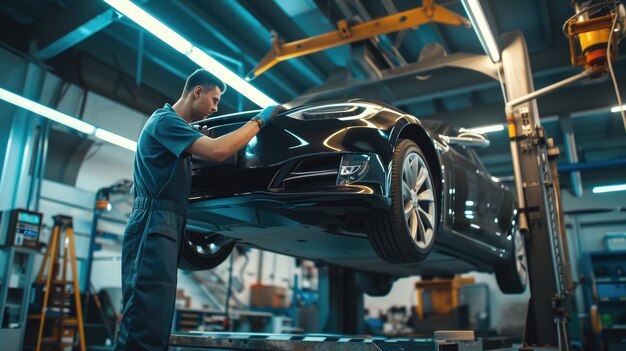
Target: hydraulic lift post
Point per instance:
(549, 308)
(340, 305)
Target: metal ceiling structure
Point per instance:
(89, 44)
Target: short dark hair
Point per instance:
(204, 78)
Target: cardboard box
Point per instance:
(182, 300)
(268, 296)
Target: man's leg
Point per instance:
(130, 246)
(147, 320)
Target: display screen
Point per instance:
(29, 218)
(32, 234)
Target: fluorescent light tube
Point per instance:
(608, 188)
(205, 61)
(488, 129)
(116, 139)
(66, 120)
(180, 44)
(153, 25)
(617, 108)
(47, 112)
(481, 26)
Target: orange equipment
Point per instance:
(444, 294)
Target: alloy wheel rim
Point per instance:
(520, 257)
(418, 200)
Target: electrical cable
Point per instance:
(613, 79)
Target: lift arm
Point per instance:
(346, 34)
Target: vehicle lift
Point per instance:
(539, 220)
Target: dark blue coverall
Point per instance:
(153, 235)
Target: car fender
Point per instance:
(409, 127)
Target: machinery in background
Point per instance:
(594, 33)
(589, 33)
(20, 228)
(19, 235)
(605, 298)
(440, 305)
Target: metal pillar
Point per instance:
(17, 136)
(549, 305)
(340, 302)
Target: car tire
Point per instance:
(406, 233)
(374, 284)
(513, 276)
(204, 251)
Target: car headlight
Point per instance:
(352, 168)
(339, 111)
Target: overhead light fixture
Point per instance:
(618, 109)
(195, 54)
(481, 26)
(609, 188)
(67, 120)
(47, 112)
(116, 139)
(487, 129)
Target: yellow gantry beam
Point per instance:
(346, 34)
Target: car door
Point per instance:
(468, 198)
(495, 210)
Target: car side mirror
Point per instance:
(467, 138)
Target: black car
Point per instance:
(356, 184)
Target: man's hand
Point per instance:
(268, 114)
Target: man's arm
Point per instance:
(219, 149)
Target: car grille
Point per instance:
(315, 172)
(220, 184)
(302, 175)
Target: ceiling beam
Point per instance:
(544, 13)
(306, 67)
(544, 64)
(65, 28)
(232, 42)
(597, 96)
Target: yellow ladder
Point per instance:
(61, 224)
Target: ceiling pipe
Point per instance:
(592, 165)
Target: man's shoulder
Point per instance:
(163, 112)
(161, 115)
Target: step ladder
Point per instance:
(56, 292)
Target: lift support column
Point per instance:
(549, 305)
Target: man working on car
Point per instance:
(153, 235)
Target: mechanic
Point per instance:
(154, 233)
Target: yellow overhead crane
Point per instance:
(346, 33)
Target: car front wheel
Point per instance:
(406, 234)
(203, 251)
